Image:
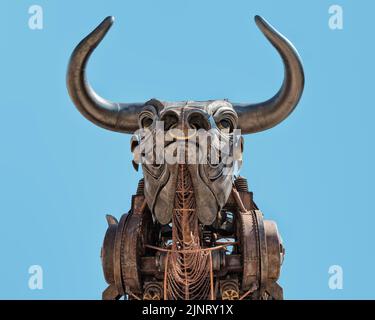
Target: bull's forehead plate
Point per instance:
(210, 106)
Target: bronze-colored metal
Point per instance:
(189, 273)
(193, 231)
(148, 270)
(248, 234)
(275, 250)
(131, 246)
(232, 264)
(230, 295)
(229, 289)
(153, 291)
(117, 255)
(107, 252)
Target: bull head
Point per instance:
(211, 186)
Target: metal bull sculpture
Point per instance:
(193, 230)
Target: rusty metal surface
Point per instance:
(193, 231)
(275, 249)
(233, 264)
(249, 249)
(107, 252)
(131, 249)
(263, 251)
(117, 255)
(188, 267)
(147, 270)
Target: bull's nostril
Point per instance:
(197, 121)
(170, 120)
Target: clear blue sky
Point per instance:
(60, 174)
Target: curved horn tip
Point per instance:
(258, 18)
(109, 20)
(107, 23)
(262, 23)
(104, 26)
(101, 30)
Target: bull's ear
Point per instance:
(135, 165)
(264, 115)
(134, 143)
(111, 220)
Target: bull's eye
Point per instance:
(147, 122)
(225, 124)
(147, 117)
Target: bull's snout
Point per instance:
(187, 125)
